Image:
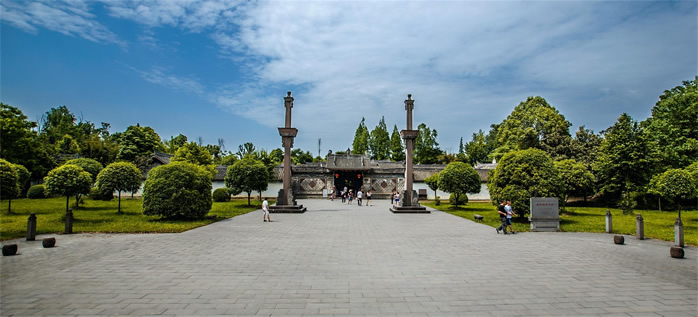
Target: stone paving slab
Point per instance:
(346, 260)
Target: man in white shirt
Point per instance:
(359, 196)
(265, 210)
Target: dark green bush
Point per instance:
(37, 192)
(221, 195)
(462, 199)
(101, 194)
(179, 190)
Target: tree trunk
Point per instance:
(660, 203)
(67, 202)
(248, 198)
(119, 210)
(9, 206)
(77, 201)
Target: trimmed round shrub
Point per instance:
(179, 190)
(37, 192)
(221, 195)
(462, 199)
(97, 193)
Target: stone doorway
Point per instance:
(351, 179)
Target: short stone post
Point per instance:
(640, 228)
(9, 249)
(69, 221)
(31, 227)
(678, 232)
(609, 221)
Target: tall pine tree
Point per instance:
(397, 152)
(380, 141)
(360, 144)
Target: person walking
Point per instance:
(397, 199)
(509, 212)
(359, 197)
(344, 196)
(502, 217)
(392, 198)
(332, 194)
(350, 196)
(265, 210)
(368, 198)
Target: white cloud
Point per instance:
(467, 63)
(67, 17)
(161, 76)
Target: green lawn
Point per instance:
(658, 224)
(101, 216)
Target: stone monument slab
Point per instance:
(545, 214)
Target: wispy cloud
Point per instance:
(67, 17)
(161, 76)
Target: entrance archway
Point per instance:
(351, 179)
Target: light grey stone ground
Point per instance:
(348, 260)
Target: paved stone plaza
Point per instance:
(337, 259)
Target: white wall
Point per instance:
(483, 195)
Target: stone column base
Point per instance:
(409, 210)
(287, 209)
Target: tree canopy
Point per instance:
(193, 153)
(459, 178)
(577, 179)
(68, 180)
(379, 144)
(426, 148)
(138, 141)
(536, 124)
(247, 175)
(361, 138)
(521, 175)
(9, 182)
(674, 125)
(179, 190)
(397, 151)
(119, 176)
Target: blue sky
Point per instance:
(220, 69)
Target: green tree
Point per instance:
(9, 183)
(246, 149)
(179, 190)
(585, 146)
(433, 183)
(175, 143)
(88, 165)
(675, 185)
(68, 180)
(20, 144)
(229, 159)
(68, 145)
(625, 162)
(23, 177)
(379, 144)
(300, 157)
(137, 142)
(361, 138)
(426, 148)
(397, 152)
(576, 178)
(476, 150)
(536, 124)
(674, 125)
(119, 176)
(523, 174)
(247, 175)
(459, 178)
(193, 153)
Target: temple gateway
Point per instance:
(314, 180)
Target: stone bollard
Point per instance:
(609, 221)
(31, 227)
(678, 232)
(618, 239)
(69, 221)
(676, 252)
(9, 249)
(49, 242)
(640, 228)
